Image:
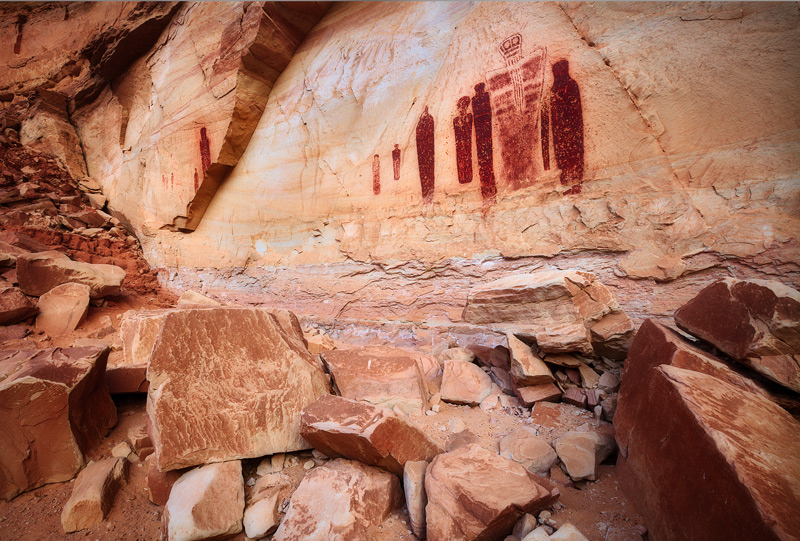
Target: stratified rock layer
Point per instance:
(228, 383)
(339, 427)
(54, 407)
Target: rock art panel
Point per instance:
(567, 125)
(516, 95)
(376, 174)
(396, 161)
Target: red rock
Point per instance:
(339, 500)
(483, 354)
(40, 272)
(612, 335)
(526, 367)
(734, 451)
(416, 500)
(582, 452)
(575, 396)
(503, 379)
(13, 332)
(340, 427)
(206, 503)
(93, 494)
(54, 407)
(14, 306)
(476, 494)
(464, 383)
(244, 400)
(526, 448)
(500, 357)
(538, 393)
(159, 484)
(126, 378)
(261, 514)
(382, 376)
(63, 308)
(750, 320)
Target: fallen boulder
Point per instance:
(524, 447)
(380, 375)
(54, 407)
(339, 501)
(205, 503)
(40, 272)
(228, 383)
(63, 308)
(340, 427)
(526, 367)
(582, 452)
(757, 322)
(476, 494)
(558, 308)
(464, 383)
(93, 494)
(261, 514)
(14, 306)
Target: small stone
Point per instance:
(526, 448)
(464, 383)
(416, 500)
(608, 382)
(93, 494)
(525, 525)
(568, 532)
(121, 450)
(14, 306)
(575, 396)
(589, 377)
(309, 464)
(457, 425)
(277, 462)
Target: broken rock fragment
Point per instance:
(524, 447)
(40, 272)
(54, 407)
(757, 322)
(206, 503)
(582, 452)
(63, 308)
(340, 427)
(339, 501)
(526, 367)
(416, 500)
(261, 514)
(382, 376)
(93, 494)
(14, 306)
(476, 494)
(228, 383)
(464, 383)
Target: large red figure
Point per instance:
(396, 161)
(462, 125)
(567, 122)
(425, 154)
(482, 112)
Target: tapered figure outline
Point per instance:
(462, 126)
(425, 154)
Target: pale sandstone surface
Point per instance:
(476, 494)
(54, 407)
(338, 502)
(414, 490)
(376, 436)
(205, 503)
(93, 494)
(464, 383)
(380, 375)
(525, 447)
(63, 308)
(228, 383)
(40, 272)
(261, 514)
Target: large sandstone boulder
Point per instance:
(756, 322)
(695, 427)
(93, 494)
(228, 383)
(582, 452)
(464, 383)
(338, 502)
(54, 407)
(205, 503)
(40, 272)
(340, 427)
(476, 494)
(14, 306)
(559, 308)
(63, 308)
(380, 375)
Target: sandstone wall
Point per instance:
(655, 144)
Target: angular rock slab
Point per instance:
(526, 367)
(416, 500)
(464, 383)
(54, 407)
(338, 502)
(526, 448)
(93, 494)
(14, 306)
(340, 427)
(559, 307)
(228, 383)
(756, 322)
(738, 449)
(380, 375)
(40, 272)
(582, 452)
(476, 494)
(205, 503)
(63, 308)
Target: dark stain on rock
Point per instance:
(425, 154)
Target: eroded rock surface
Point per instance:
(93, 494)
(63, 308)
(40, 272)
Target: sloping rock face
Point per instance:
(40, 272)
(338, 426)
(228, 383)
(687, 425)
(756, 322)
(54, 407)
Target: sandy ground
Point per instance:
(599, 509)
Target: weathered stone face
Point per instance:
(228, 383)
(464, 383)
(14, 306)
(476, 494)
(339, 501)
(63, 308)
(40, 272)
(756, 322)
(382, 376)
(376, 436)
(54, 407)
